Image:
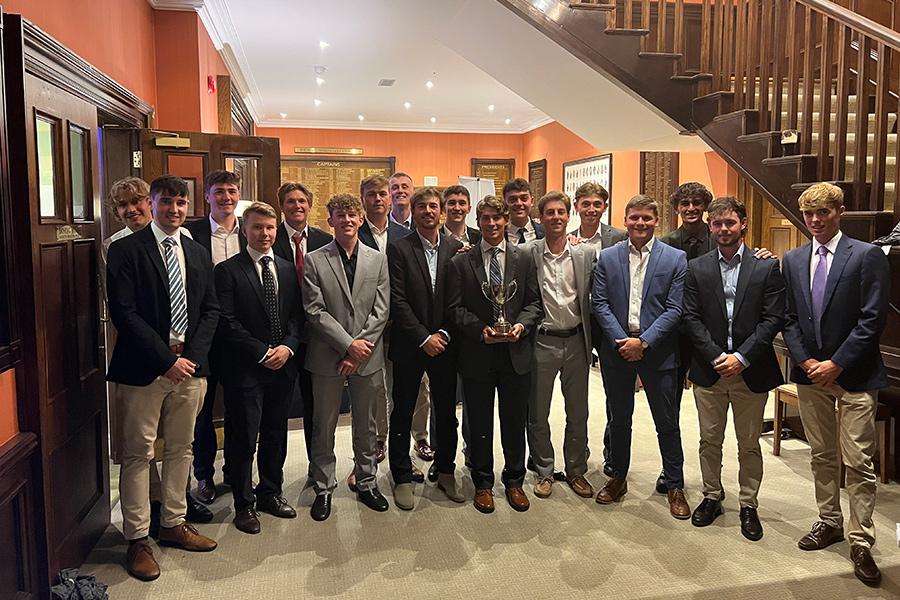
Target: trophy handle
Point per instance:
(511, 290)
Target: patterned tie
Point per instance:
(177, 296)
(496, 277)
(521, 236)
(271, 298)
(820, 278)
(298, 255)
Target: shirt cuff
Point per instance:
(444, 332)
(741, 358)
(717, 359)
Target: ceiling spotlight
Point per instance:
(323, 44)
(360, 117)
(317, 102)
(319, 81)
(429, 84)
(433, 119)
(508, 121)
(407, 105)
(283, 115)
(490, 108)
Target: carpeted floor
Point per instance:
(564, 546)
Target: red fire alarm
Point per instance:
(210, 84)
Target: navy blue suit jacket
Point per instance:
(395, 232)
(661, 306)
(853, 316)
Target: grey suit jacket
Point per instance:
(609, 235)
(584, 258)
(337, 315)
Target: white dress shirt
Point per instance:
(160, 235)
(561, 307)
(637, 269)
(223, 243)
(464, 238)
(829, 258)
(125, 232)
(291, 232)
(380, 235)
(512, 232)
(486, 255)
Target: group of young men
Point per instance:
(407, 302)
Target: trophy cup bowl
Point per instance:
(500, 295)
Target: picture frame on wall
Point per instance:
(500, 170)
(597, 169)
(537, 178)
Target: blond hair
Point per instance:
(642, 201)
(821, 195)
(344, 202)
(125, 191)
(260, 209)
(554, 197)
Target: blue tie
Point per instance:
(177, 297)
(496, 277)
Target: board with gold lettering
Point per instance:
(501, 170)
(326, 176)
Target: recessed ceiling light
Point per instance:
(317, 102)
(323, 44)
(360, 117)
(508, 121)
(319, 81)
(429, 84)
(490, 108)
(407, 105)
(433, 119)
(283, 115)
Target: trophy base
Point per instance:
(502, 328)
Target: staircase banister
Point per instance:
(855, 21)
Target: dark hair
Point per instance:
(691, 190)
(220, 176)
(492, 202)
(168, 185)
(423, 194)
(516, 185)
(294, 186)
(591, 188)
(554, 197)
(727, 204)
(457, 189)
(642, 201)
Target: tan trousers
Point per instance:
(856, 437)
(172, 409)
(747, 411)
(384, 406)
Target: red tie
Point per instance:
(298, 256)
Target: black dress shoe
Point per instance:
(608, 470)
(196, 512)
(373, 499)
(321, 508)
(751, 528)
(276, 506)
(433, 473)
(661, 487)
(707, 512)
(206, 491)
(559, 476)
(821, 536)
(864, 566)
(246, 520)
(155, 511)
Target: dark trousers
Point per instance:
(205, 444)
(618, 382)
(259, 411)
(685, 348)
(513, 391)
(407, 378)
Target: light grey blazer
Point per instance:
(584, 258)
(337, 315)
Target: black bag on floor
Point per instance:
(73, 586)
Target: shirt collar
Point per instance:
(214, 226)
(344, 255)
(565, 252)
(427, 244)
(486, 248)
(831, 245)
(647, 247)
(407, 223)
(375, 229)
(292, 232)
(160, 235)
(734, 259)
(448, 233)
(529, 226)
(577, 233)
(256, 256)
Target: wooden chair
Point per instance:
(784, 394)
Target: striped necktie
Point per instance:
(496, 277)
(177, 296)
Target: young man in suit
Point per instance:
(422, 343)
(563, 347)
(220, 234)
(733, 309)
(457, 205)
(346, 294)
(636, 298)
(491, 361)
(591, 201)
(294, 240)
(518, 199)
(129, 202)
(401, 188)
(162, 301)
(837, 297)
(261, 318)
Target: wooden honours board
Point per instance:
(501, 170)
(327, 176)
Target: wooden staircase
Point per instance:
(747, 76)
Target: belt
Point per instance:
(177, 348)
(560, 333)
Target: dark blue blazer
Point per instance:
(395, 232)
(661, 306)
(853, 317)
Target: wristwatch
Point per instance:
(644, 344)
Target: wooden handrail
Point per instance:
(855, 21)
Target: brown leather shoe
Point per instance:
(678, 505)
(184, 536)
(864, 566)
(517, 499)
(247, 520)
(139, 561)
(612, 491)
(351, 480)
(580, 485)
(379, 452)
(417, 475)
(206, 491)
(484, 500)
(821, 536)
(424, 451)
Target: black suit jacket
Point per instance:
(678, 239)
(202, 232)
(471, 311)
(474, 235)
(244, 323)
(853, 317)
(416, 311)
(138, 292)
(758, 316)
(395, 232)
(315, 239)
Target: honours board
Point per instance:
(327, 176)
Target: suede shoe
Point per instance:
(678, 505)
(446, 482)
(403, 496)
(543, 487)
(517, 499)
(484, 500)
(864, 566)
(706, 512)
(821, 536)
(139, 561)
(276, 506)
(751, 528)
(246, 520)
(580, 486)
(612, 491)
(184, 536)
(373, 499)
(321, 508)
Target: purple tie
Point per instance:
(820, 277)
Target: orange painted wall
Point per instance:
(178, 71)
(211, 64)
(9, 425)
(710, 170)
(116, 36)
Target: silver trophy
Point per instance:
(500, 295)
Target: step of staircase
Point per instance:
(591, 6)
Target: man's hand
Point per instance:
(276, 357)
(825, 373)
(728, 365)
(763, 253)
(181, 370)
(808, 364)
(464, 248)
(435, 344)
(360, 350)
(517, 331)
(630, 349)
(491, 336)
(574, 240)
(347, 366)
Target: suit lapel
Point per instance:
(841, 256)
(333, 255)
(804, 275)
(476, 259)
(624, 260)
(191, 272)
(652, 261)
(718, 286)
(249, 270)
(578, 260)
(748, 264)
(153, 251)
(509, 270)
(362, 265)
(286, 271)
(419, 255)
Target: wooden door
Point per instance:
(64, 217)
